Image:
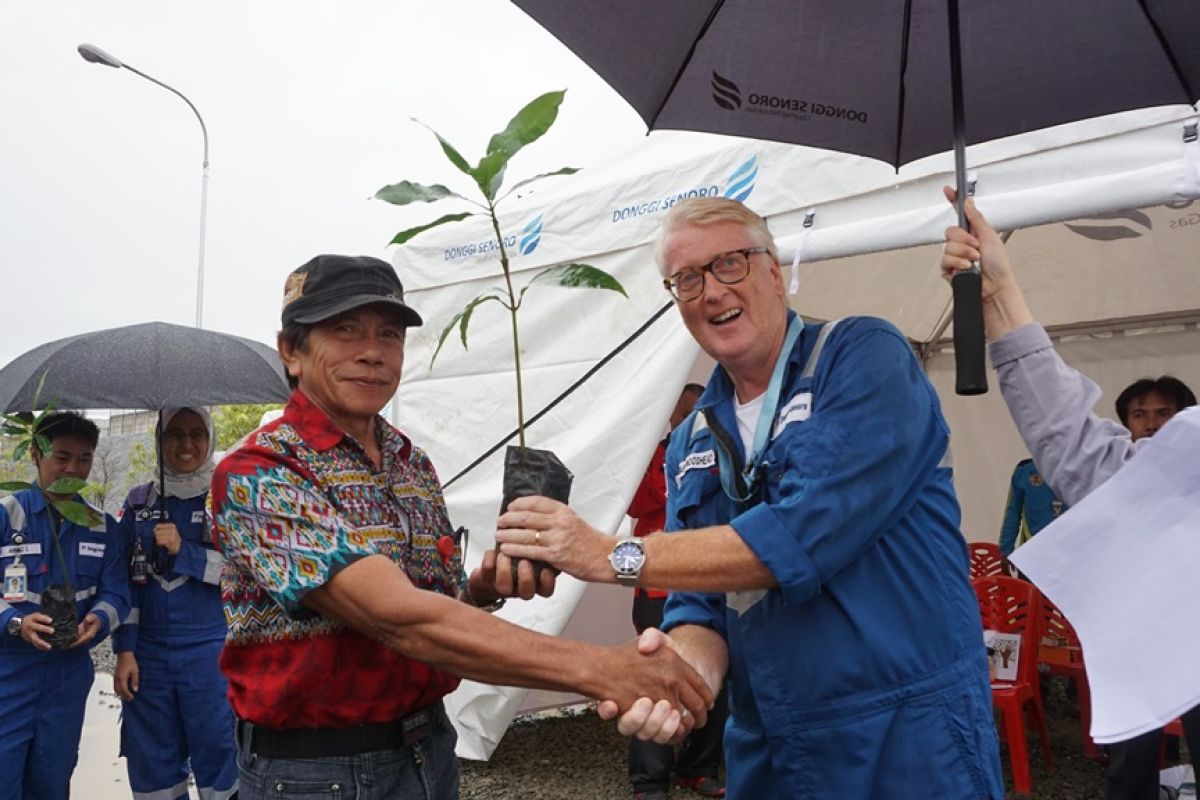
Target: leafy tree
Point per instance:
(530, 123)
(143, 460)
(234, 422)
(13, 471)
(103, 476)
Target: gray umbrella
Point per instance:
(154, 365)
(884, 78)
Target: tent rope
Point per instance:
(566, 393)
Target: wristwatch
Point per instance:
(14, 626)
(628, 556)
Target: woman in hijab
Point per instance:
(174, 706)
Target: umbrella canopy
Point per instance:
(893, 81)
(153, 365)
(874, 78)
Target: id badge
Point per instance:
(16, 579)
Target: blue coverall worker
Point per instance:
(1031, 506)
(176, 718)
(43, 691)
(814, 555)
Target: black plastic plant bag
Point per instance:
(58, 602)
(529, 472)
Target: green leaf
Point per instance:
(404, 236)
(442, 338)
(78, 513)
(461, 320)
(496, 182)
(468, 311)
(451, 154)
(21, 449)
(66, 486)
(527, 126)
(578, 276)
(44, 445)
(405, 192)
(12, 430)
(15, 486)
(527, 181)
(38, 391)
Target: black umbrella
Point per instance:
(154, 365)
(885, 79)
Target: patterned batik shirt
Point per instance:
(294, 505)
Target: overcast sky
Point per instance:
(308, 108)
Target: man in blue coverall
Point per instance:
(1031, 506)
(43, 691)
(814, 554)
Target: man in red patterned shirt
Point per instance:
(347, 623)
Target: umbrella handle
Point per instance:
(971, 378)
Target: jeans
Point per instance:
(427, 770)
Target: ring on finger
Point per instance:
(537, 538)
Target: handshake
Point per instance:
(669, 719)
(659, 686)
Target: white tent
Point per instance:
(1117, 289)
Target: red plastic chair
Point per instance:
(1011, 605)
(986, 560)
(1062, 655)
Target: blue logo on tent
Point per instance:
(741, 182)
(531, 236)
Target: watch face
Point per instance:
(628, 557)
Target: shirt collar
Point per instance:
(37, 499)
(320, 433)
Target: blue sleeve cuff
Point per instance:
(778, 549)
(191, 559)
(694, 608)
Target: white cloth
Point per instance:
(1121, 565)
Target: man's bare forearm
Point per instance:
(712, 559)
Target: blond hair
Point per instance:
(702, 211)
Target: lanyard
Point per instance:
(762, 432)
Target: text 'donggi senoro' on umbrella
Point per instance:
(885, 78)
(153, 365)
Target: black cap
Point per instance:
(328, 285)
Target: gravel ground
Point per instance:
(581, 757)
(578, 756)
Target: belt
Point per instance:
(328, 742)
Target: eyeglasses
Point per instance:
(728, 268)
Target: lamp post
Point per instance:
(95, 55)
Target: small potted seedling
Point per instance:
(527, 471)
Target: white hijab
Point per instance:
(186, 485)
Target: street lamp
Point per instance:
(97, 56)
